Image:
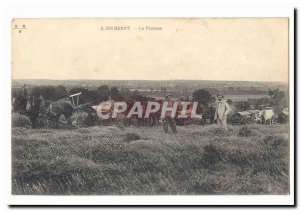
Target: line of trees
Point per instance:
(98, 95)
(276, 98)
(93, 96)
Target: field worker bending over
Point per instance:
(168, 119)
(222, 110)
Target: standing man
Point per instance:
(168, 119)
(222, 110)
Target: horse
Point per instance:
(37, 106)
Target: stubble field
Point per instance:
(113, 160)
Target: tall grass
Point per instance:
(110, 160)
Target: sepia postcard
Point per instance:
(150, 107)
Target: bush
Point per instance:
(203, 96)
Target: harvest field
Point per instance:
(111, 160)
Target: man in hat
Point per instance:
(168, 120)
(222, 110)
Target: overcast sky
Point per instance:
(250, 49)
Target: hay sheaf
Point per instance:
(19, 120)
(217, 131)
(274, 142)
(210, 156)
(132, 137)
(245, 132)
(83, 130)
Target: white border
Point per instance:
(134, 8)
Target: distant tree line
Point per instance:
(93, 96)
(49, 92)
(276, 97)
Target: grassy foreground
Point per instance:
(112, 160)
